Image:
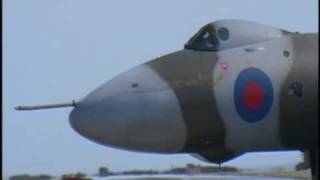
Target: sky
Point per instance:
(59, 50)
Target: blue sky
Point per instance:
(58, 50)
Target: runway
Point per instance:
(192, 177)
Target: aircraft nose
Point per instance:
(136, 110)
(166, 105)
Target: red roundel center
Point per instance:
(252, 95)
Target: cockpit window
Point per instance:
(204, 40)
(223, 33)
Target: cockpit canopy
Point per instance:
(204, 40)
(226, 34)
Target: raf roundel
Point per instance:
(253, 94)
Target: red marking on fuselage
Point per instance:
(224, 66)
(252, 95)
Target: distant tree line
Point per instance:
(75, 176)
(104, 171)
(188, 169)
(30, 177)
(139, 172)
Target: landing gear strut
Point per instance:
(314, 159)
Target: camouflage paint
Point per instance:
(136, 110)
(189, 74)
(300, 116)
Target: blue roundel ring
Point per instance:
(262, 84)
